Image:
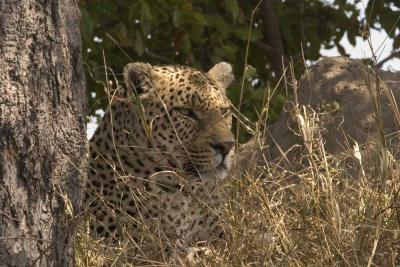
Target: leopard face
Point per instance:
(186, 116)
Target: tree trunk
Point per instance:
(43, 143)
(272, 43)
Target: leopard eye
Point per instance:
(225, 111)
(188, 113)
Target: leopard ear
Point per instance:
(222, 74)
(138, 78)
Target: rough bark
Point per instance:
(42, 131)
(272, 43)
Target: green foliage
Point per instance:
(386, 15)
(201, 33)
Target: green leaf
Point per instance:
(86, 25)
(233, 8)
(388, 19)
(197, 32)
(139, 43)
(221, 25)
(341, 49)
(250, 72)
(145, 18)
(243, 33)
(199, 18)
(396, 43)
(230, 50)
(177, 17)
(122, 33)
(353, 29)
(186, 44)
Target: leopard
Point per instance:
(159, 154)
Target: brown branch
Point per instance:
(272, 43)
(386, 59)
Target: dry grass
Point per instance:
(339, 209)
(316, 215)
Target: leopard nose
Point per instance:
(223, 147)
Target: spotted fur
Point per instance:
(159, 153)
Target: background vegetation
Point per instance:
(200, 33)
